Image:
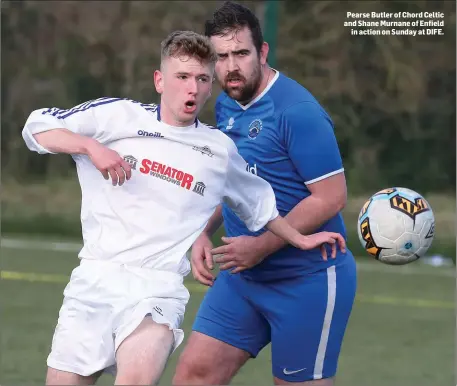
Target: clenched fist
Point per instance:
(109, 163)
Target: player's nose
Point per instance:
(232, 64)
(192, 86)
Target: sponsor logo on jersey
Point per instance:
(251, 169)
(231, 121)
(131, 160)
(167, 173)
(254, 128)
(144, 133)
(199, 188)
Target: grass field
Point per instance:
(401, 331)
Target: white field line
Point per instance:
(368, 266)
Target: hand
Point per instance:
(202, 261)
(321, 239)
(241, 252)
(109, 163)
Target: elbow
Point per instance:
(342, 200)
(336, 202)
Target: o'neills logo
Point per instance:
(166, 173)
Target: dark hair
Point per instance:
(188, 43)
(232, 17)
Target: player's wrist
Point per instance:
(89, 146)
(204, 236)
(269, 243)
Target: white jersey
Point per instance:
(179, 176)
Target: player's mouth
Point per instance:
(190, 107)
(234, 81)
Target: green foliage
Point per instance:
(392, 98)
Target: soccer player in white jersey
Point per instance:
(125, 302)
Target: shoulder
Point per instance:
(129, 109)
(124, 103)
(292, 98)
(221, 98)
(306, 110)
(137, 105)
(104, 105)
(204, 126)
(223, 105)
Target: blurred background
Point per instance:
(392, 99)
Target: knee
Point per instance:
(191, 372)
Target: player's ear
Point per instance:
(158, 81)
(264, 49)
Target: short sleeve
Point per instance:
(86, 119)
(250, 197)
(309, 137)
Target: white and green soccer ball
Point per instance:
(396, 226)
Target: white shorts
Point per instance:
(103, 304)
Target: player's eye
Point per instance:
(182, 77)
(203, 79)
(221, 56)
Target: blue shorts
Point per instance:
(304, 318)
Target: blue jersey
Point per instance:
(288, 139)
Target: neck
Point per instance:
(267, 74)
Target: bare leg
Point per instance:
(142, 356)
(208, 361)
(59, 377)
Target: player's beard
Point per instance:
(244, 93)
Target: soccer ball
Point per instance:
(396, 226)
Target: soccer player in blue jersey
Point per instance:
(267, 291)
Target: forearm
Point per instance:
(214, 222)
(305, 217)
(65, 141)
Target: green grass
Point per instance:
(401, 331)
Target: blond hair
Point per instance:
(188, 44)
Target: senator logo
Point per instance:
(370, 245)
(166, 173)
(147, 134)
(205, 150)
(410, 208)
